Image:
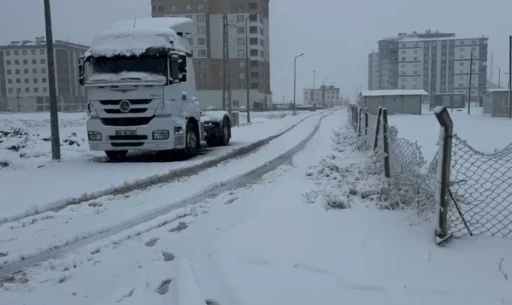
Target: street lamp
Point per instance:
(295, 79)
(247, 64)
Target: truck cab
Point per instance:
(141, 89)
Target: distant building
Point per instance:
(395, 101)
(207, 47)
(323, 96)
(433, 61)
(24, 76)
(373, 71)
(496, 103)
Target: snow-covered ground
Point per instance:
(483, 132)
(302, 234)
(80, 172)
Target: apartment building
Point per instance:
(433, 61)
(207, 47)
(323, 96)
(24, 76)
(373, 70)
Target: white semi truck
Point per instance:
(141, 90)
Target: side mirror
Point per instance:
(174, 70)
(81, 78)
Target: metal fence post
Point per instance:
(377, 131)
(387, 170)
(359, 116)
(441, 232)
(366, 121)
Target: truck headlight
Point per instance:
(94, 135)
(160, 134)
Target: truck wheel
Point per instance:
(116, 155)
(191, 140)
(225, 133)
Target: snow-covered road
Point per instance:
(79, 178)
(300, 234)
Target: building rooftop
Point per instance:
(392, 92)
(40, 42)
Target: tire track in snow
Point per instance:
(216, 189)
(147, 182)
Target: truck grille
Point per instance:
(128, 138)
(133, 110)
(117, 102)
(127, 144)
(126, 121)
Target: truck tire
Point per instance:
(225, 133)
(116, 155)
(192, 142)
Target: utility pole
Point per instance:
(18, 99)
(314, 87)
(295, 79)
(226, 90)
(470, 76)
(510, 77)
(54, 115)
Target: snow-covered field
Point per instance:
(483, 132)
(26, 150)
(313, 231)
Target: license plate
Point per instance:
(126, 132)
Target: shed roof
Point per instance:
(393, 92)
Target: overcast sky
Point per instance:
(335, 35)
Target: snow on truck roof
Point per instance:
(393, 92)
(125, 40)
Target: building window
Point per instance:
(255, 85)
(201, 41)
(27, 90)
(27, 81)
(241, 7)
(254, 52)
(191, 41)
(24, 52)
(7, 53)
(253, 18)
(404, 59)
(201, 53)
(241, 75)
(160, 9)
(416, 51)
(253, 6)
(35, 80)
(242, 86)
(25, 71)
(9, 81)
(43, 70)
(10, 90)
(16, 52)
(241, 53)
(241, 64)
(16, 62)
(34, 61)
(253, 30)
(45, 89)
(202, 65)
(43, 61)
(200, 6)
(173, 7)
(240, 30)
(8, 71)
(25, 62)
(235, 103)
(44, 80)
(241, 41)
(203, 75)
(202, 86)
(255, 74)
(18, 81)
(200, 30)
(17, 71)
(188, 7)
(253, 41)
(254, 63)
(415, 58)
(240, 18)
(8, 62)
(200, 18)
(461, 64)
(36, 90)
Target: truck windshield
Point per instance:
(120, 64)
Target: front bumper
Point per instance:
(142, 140)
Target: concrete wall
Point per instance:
(394, 104)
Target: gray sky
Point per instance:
(336, 35)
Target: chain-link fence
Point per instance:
(467, 191)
